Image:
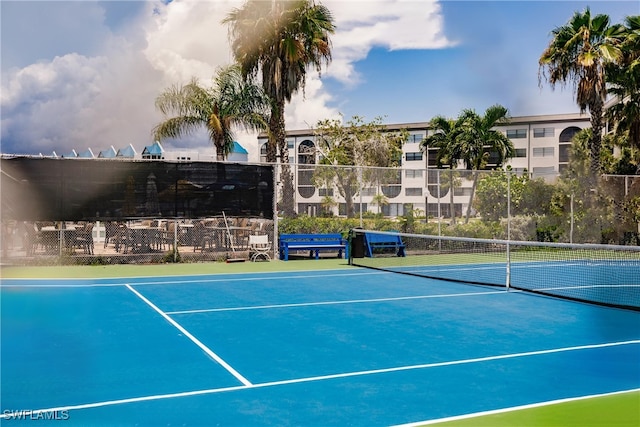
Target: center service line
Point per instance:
(196, 341)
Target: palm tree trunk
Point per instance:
(272, 143)
(595, 142)
(473, 190)
(218, 142)
(276, 123)
(452, 206)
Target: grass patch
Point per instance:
(137, 270)
(618, 410)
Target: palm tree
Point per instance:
(380, 200)
(278, 40)
(579, 52)
(476, 141)
(623, 81)
(229, 103)
(445, 132)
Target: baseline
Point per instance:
(178, 280)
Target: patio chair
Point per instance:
(202, 237)
(84, 238)
(259, 247)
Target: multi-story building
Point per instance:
(542, 148)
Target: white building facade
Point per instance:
(542, 145)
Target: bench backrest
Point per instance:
(383, 238)
(316, 238)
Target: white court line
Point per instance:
(355, 301)
(197, 342)
(515, 408)
(179, 282)
(325, 377)
(263, 278)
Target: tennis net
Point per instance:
(601, 274)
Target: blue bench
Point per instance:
(314, 243)
(383, 242)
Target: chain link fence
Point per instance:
(137, 241)
(510, 205)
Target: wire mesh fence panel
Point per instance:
(541, 205)
(517, 205)
(136, 241)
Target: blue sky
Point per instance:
(84, 74)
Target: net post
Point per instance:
(508, 280)
(508, 272)
(350, 243)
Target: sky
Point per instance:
(84, 74)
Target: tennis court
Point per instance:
(348, 346)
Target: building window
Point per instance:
(432, 157)
(391, 191)
(311, 209)
(537, 172)
(516, 133)
(306, 153)
(521, 152)
(414, 156)
(368, 191)
(413, 191)
(263, 153)
(564, 152)
(462, 191)
(493, 159)
(325, 192)
(568, 134)
(543, 152)
(415, 138)
(413, 173)
(342, 208)
(306, 192)
(396, 209)
(543, 132)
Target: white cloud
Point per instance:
(392, 24)
(102, 93)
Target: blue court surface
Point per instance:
(340, 347)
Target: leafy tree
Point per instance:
(361, 154)
(528, 197)
(579, 53)
(598, 207)
(229, 103)
(278, 40)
